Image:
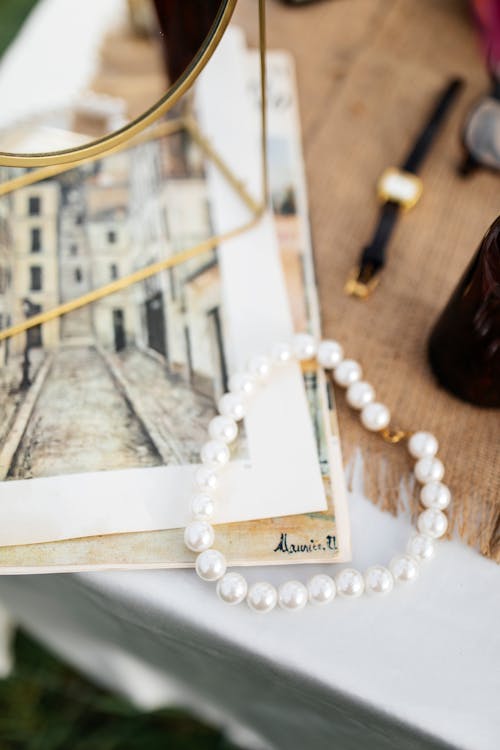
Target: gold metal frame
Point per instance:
(104, 144)
(132, 136)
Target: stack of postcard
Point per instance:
(104, 411)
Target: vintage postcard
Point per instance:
(197, 374)
(106, 409)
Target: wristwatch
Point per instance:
(398, 189)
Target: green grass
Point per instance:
(45, 705)
(12, 15)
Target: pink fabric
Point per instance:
(487, 13)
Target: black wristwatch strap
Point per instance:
(424, 141)
(372, 259)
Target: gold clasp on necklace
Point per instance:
(394, 435)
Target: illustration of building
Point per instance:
(75, 270)
(195, 284)
(6, 264)
(149, 244)
(114, 318)
(169, 213)
(34, 224)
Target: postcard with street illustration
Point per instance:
(104, 411)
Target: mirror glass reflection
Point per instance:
(74, 71)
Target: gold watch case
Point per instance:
(399, 186)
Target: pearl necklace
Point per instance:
(199, 535)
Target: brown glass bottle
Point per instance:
(464, 346)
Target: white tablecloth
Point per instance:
(419, 669)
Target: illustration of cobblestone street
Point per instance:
(100, 411)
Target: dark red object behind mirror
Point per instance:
(184, 26)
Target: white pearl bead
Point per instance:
(330, 354)
(232, 405)
(242, 382)
(211, 565)
(281, 353)
(347, 372)
(350, 583)
(262, 597)
(198, 536)
(432, 522)
(304, 346)
(378, 580)
(215, 453)
(223, 428)
(404, 568)
(206, 479)
(259, 366)
(202, 507)
(422, 444)
(232, 588)
(360, 394)
(429, 469)
(292, 595)
(421, 547)
(321, 589)
(375, 417)
(435, 495)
